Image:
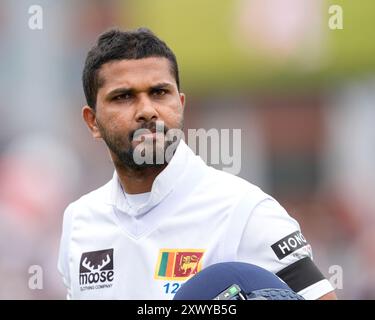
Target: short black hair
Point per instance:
(118, 45)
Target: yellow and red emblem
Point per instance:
(178, 264)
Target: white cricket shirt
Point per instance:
(193, 217)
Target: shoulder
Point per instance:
(274, 236)
(82, 209)
(231, 184)
(94, 199)
(269, 212)
(273, 240)
(86, 209)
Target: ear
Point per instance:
(182, 99)
(89, 116)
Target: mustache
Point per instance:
(153, 126)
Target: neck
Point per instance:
(137, 181)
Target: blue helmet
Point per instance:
(235, 281)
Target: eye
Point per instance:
(159, 92)
(124, 96)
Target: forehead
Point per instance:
(140, 73)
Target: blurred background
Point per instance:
(301, 91)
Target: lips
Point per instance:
(140, 134)
(148, 133)
(148, 136)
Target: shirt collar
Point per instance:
(161, 187)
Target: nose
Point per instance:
(146, 110)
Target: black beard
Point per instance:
(125, 156)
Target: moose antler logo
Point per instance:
(95, 261)
(96, 267)
(87, 264)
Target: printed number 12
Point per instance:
(171, 287)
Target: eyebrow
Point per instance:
(124, 90)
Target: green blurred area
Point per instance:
(202, 34)
(352, 50)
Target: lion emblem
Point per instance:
(189, 263)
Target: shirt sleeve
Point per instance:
(63, 259)
(273, 240)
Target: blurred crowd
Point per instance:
(313, 148)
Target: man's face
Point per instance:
(137, 94)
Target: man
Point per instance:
(157, 223)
